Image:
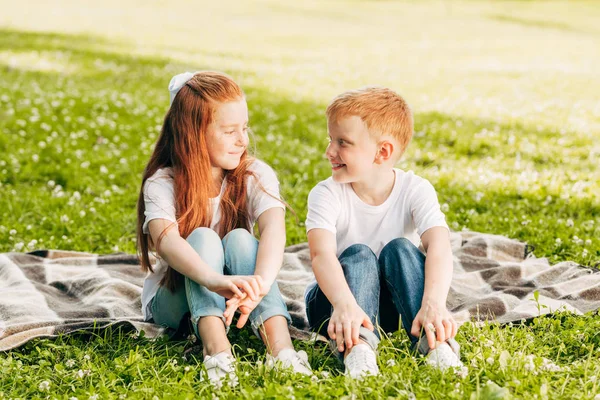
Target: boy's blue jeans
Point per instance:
(234, 255)
(385, 288)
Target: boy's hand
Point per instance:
(437, 322)
(344, 324)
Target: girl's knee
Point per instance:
(202, 235)
(240, 251)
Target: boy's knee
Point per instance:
(358, 258)
(399, 246)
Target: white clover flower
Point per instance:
(86, 357)
(35, 158)
(490, 360)
(103, 170)
(558, 241)
(73, 398)
(391, 362)
(82, 213)
(93, 397)
(70, 363)
(584, 253)
(12, 232)
(588, 242)
(64, 218)
(92, 209)
(19, 246)
(85, 164)
(325, 374)
(64, 237)
(570, 222)
(44, 385)
(186, 368)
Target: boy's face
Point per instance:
(351, 150)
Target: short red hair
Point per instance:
(383, 111)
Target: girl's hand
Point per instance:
(437, 321)
(245, 305)
(345, 322)
(230, 286)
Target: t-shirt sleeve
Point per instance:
(261, 200)
(323, 209)
(159, 200)
(425, 208)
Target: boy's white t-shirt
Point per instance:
(159, 200)
(411, 209)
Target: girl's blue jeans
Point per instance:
(389, 289)
(234, 255)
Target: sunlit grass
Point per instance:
(507, 121)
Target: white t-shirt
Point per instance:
(159, 200)
(410, 210)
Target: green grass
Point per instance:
(507, 121)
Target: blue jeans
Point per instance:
(388, 289)
(234, 255)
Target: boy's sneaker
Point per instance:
(444, 356)
(290, 358)
(219, 368)
(361, 361)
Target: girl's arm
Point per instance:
(180, 256)
(271, 226)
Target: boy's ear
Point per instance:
(386, 149)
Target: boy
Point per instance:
(364, 224)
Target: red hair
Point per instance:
(182, 146)
(384, 112)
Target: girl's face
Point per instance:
(227, 136)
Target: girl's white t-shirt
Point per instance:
(159, 201)
(411, 209)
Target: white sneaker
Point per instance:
(361, 361)
(290, 358)
(443, 357)
(219, 368)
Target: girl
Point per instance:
(201, 196)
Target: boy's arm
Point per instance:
(347, 316)
(438, 276)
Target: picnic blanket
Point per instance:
(48, 293)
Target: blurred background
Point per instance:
(505, 96)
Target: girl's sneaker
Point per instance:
(219, 368)
(444, 356)
(361, 361)
(290, 358)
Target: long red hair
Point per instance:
(182, 146)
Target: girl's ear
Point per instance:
(386, 149)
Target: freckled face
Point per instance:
(227, 135)
(351, 150)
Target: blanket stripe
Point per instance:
(48, 293)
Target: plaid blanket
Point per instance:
(48, 293)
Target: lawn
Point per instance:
(505, 96)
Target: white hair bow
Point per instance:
(177, 83)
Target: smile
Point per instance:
(336, 167)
